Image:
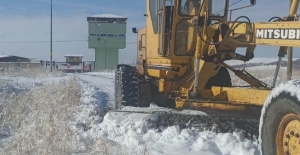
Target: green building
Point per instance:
(107, 34)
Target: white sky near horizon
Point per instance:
(29, 20)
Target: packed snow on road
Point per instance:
(70, 114)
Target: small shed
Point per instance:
(74, 59)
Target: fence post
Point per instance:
(82, 67)
(94, 65)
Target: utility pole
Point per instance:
(51, 40)
(105, 53)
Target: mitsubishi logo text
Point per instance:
(293, 34)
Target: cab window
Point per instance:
(153, 7)
(217, 8)
(189, 7)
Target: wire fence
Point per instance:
(79, 67)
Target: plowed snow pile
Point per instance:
(63, 115)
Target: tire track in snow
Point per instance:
(105, 84)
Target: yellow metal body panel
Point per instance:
(239, 27)
(186, 104)
(207, 70)
(277, 33)
(246, 110)
(141, 52)
(141, 46)
(229, 96)
(152, 43)
(236, 101)
(240, 95)
(165, 86)
(155, 61)
(156, 73)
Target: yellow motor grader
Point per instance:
(181, 64)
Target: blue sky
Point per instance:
(67, 7)
(29, 20)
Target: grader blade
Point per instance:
(196, 120)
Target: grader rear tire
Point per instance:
(280, 126)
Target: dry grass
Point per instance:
(265, 74)
(39, 120)
(31, 73)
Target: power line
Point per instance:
(27, 42)
(37, 42)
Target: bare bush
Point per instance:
(39, 120)
(31, 73)
(44, 121)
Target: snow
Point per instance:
(107, 16)
(134, 131)
(4, 56)
(107, 73)
(154, 108)
(12, 84)
(101, 130)
(73, 55)
(105, 82)
(256, 60)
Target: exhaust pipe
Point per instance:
(196, 75)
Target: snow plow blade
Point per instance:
(192, 119)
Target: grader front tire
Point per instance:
(280, 129)
(126, 86)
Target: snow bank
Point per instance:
(137, 133)
(51, 118)
(70, 117)
(108, 16)
(107, 73)
(127, 133)
(37, 121)
(91, 110)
